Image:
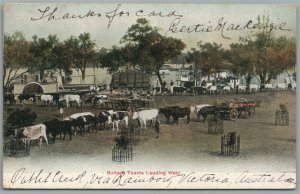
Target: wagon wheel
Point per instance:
(252, 111)
(234, 114)
(246, 113)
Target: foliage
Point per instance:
(261, 55)
(80, 51)
(16, 57)
(145, 49)
(42, 50)
(209, 58)
(113, 59)
(267, 54)
(21, 118)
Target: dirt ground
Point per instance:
(264, 146)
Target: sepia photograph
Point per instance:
(149, 96)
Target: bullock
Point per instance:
(10, 98)
(226, 89)
(47, 99)
(33, 132)
(104, 116)
(79, 120)
(212, 89)
(253, 87)
(281, 86)
(180, 113)
(195, 109)
(269, 87)
(199, 90)
(71, 98)
(118, 116)
(55, 127)
(99, 99)
(242, 88)
(91, 122)
(167, 112)
(176, 112)
(178, 89)
(144, 115)
(27, 96)
(94, 89)
(76, 115)
(205, 111)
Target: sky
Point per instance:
(218, 19)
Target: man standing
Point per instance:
(156, 124)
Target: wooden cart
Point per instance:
(237, 108)
(125, 103)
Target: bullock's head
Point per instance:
(25, 133)
(61, 98)
(110, 118)
(193, 108)
(135, 115)
(130, 112)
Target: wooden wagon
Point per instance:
(238, 108)
(125, 103)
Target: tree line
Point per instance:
(260, 54)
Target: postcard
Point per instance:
(149, 96)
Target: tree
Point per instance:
(271, 55)
(17, 58)
(60, 61)
(180, 59)
(113, 59)
(147, 49)
(81, 52)
(209, 58)
(282, 55)
(42, 51)
(241, 58)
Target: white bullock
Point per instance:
(94, 88)
(212, 89)
(145, 115)
(34, 132)
(226, 89)
(76, 115)
(269, 87)
(242, 88)
(253, 87)
(71, 98)
(195, 109)
(281, 86)
(45, 98)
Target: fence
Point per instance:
(282, 118)
(215, 125)
(17, 147)
(230, 144)
(122, 154)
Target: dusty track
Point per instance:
(264, 146)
